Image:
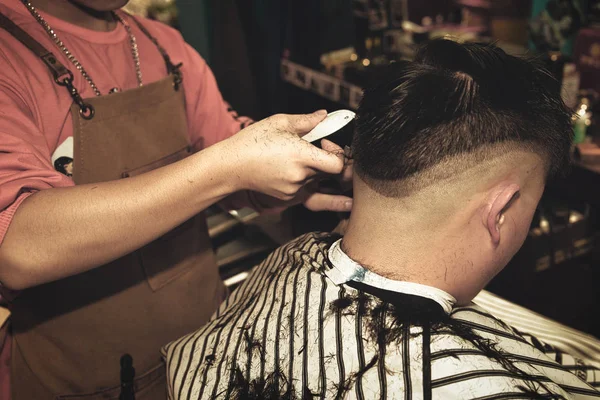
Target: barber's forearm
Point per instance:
(60, 232)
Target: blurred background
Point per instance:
(272, 56)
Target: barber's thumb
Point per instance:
(319, 114)
(302, 124)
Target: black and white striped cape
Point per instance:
(289, 332)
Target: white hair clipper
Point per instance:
(336, 127)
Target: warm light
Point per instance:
(234, 280)
(354, 57)
(366, 62)
(544, 225)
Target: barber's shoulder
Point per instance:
(8, 43)
(166, 35)
(19, 15)
(173, 42)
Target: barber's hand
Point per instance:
(311, 195)
(345, 178)
(271, 158)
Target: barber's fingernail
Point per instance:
(321, 113)
(348, 204)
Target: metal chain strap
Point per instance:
(132, 41)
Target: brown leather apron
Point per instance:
(69, 335)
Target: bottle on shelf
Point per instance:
(581, 120)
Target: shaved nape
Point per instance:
(474, 167)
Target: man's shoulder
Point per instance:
(479, 317)
(263, 313)
(310, 248)
(307, 254)
(281, 274)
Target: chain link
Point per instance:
(134, 49)
(132, 41)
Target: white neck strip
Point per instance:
(346, 269)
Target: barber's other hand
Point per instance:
(270, 157)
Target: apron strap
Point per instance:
(171, 68)
(57, 69)
(62, 75)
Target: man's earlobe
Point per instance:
(498, 205)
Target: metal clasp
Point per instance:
(86, 110)
(177, 75)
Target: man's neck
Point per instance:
(399, 246)
(67, 11)
(394, 252)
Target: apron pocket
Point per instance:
(150, 386)
(170, 159)
(173, 254)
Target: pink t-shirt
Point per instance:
(35, 124)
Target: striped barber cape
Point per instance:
(290, 332)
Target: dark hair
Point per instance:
(455, 99)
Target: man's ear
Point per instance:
(499, 204)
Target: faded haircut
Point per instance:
(454, 106)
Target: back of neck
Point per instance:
(397, 247)
(392, 250)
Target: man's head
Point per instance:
(456, 146)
